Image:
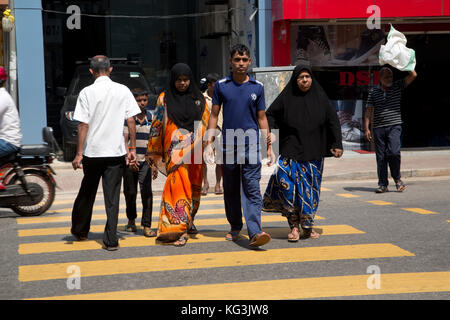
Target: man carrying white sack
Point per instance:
(383, 104)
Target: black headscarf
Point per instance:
(184, 108)
(308, 122)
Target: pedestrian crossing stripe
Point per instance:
(101, 228)
(58, 219)
(156, 205)
(210, 260)
(347, 195)
(380, 202)
(317, 287)
(324, 189)
(141, 241)
(419, 210)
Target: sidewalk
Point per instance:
(352, 166)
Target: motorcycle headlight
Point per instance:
(69, 115)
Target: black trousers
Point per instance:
(131, 179)
(387, 149)
(110, 170)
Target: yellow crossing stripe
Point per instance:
(380, 202)
(156, 205)
(101, 228)
(59, 219)
(210, 260)
(347, 195)
(141, 241)
(419, 210)
(319, 287)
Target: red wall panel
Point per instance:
(410, 8)
(281, 39)
(446, 7)
(333, 9)
(294, 9)
(320, 9)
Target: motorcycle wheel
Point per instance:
(47, 200)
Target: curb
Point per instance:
(408, 173)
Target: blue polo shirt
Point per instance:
(240, 104)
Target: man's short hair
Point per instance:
(100, 64)
(139, 92)
(241, 49)
(212, 77)
(384, 69)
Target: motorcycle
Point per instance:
(28, 177)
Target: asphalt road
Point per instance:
(372, 246)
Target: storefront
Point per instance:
(339, 40)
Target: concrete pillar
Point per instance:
(30, 69)
(265, 33)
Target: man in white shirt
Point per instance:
(10, 134)
(102, 152)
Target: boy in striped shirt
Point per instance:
(139, 172)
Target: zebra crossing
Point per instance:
(208, 267)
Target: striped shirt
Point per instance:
(142, 132)
(387, 111)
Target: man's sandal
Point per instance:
(232, 235)
(149, 232)
(130, 228)
(400, 185)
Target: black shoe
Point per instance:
(110, 248)
(80, 237)
(381, 189)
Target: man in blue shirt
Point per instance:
(242, 98)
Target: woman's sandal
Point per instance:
(294, 235)
(181, 241)
(232, 235)
(192, 230)
(149, 232)
(310, 233)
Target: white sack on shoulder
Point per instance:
(395, 52)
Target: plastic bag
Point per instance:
(395, 52)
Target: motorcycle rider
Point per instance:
(10, 133)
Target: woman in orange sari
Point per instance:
(175, 148)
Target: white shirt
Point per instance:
(103, 106)
(9, 119)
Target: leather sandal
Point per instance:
(232, 235)
(294, 235)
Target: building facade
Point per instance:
(341, 41)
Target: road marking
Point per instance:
(68, 218)
(347, 195)
(324, 189)
(101, 228)
(156, 205)
(380, 202)
(141, 241)
(319, 287)
(210, 260)
(419, 210)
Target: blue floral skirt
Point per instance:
(294, 190)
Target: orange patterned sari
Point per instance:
(178, 154)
